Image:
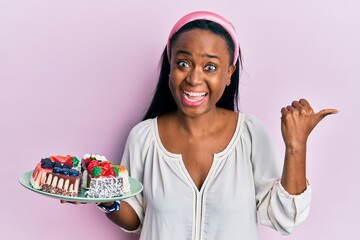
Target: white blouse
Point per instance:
(244, 180)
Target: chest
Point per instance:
(198, 154)
(197, 144)
(226, 191)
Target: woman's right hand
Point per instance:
(76, 203)
(108, 204)
(125, 218)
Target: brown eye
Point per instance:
(210, 68)
(182, 64)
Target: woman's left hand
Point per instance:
(298, 120)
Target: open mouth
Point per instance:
(194, 97)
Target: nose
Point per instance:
(195, 77)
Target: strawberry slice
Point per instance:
(87, 161)
(109, 173)
(59, 159)
(92, 164)
(62, 159)
(106, 165)
(68, 160)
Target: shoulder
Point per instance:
(143, 125)
(251, 126)
(142, 132)
(250, 120)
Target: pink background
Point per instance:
(75, 76)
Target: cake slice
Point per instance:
(102, 179)
(58, 175)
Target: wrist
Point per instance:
(295, 148)
(107, 204)
(109, 207)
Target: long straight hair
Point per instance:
(163, 101)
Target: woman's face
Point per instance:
(200, 71)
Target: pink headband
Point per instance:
(206, 16)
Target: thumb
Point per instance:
(325, 112)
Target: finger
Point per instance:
(325, 112)
(290, 108)
(306, 106)
(108, 204)
(298, 106)
(304, 102)
(75, 203)
(284, 110)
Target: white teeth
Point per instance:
(193, 100)
(194, 94)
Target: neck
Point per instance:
(197, 126)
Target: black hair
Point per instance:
(163, 101)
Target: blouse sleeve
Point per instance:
(276, 207)
(133, 159)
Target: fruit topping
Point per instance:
(61, 165)
(87, 161)
(105, 165)
(69, 162)
(96, 171)
(99, 166)
(56, 169)
(57, 164)
(60, 159)
(75, 161)
(67, 166)
(109, 173)
(73, 173)
(46, 163)
(121, 168)
(92, 164)
(64, 171)
(116, 171)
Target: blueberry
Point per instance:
(66, 166)
(56, 170)
(46, 163)
(64, 171)
(57, 164)
(73, 173)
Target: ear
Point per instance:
(231, 70)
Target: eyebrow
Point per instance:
(190, 54)
(211, 56)
(183, 52)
